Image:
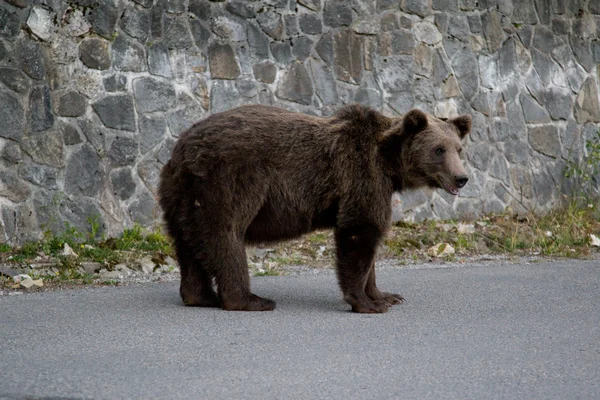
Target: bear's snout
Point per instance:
(461, 180)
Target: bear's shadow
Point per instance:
(297, 301)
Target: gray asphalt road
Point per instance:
(479, 331)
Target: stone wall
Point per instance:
(93, 93)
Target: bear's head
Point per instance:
(422, 150)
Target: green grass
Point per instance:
(318, 238)
(268, 272)
(570, 228)
(135, 243)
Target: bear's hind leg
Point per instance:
(233, 280)
(375, 294)
(196, 287)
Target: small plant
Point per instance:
(318, 238)
(585, 173)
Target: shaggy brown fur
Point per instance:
(260, 174)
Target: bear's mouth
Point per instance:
(453, 190)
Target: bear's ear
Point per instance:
(463, 123)
(414, 121)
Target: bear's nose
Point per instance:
(461, 181)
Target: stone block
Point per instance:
(40, 22)
(458, 27)
(445, 5)
(583, 52)
(70, 135)
(93, 52)
(180, 120)
(324, 48)
(271, 23)
(10, 23)
(475, 25)
(258, 41)
(177, 35)
(123, 151)
(153, 95)
(115, 83)
(291, 25)
(11, 152)
(12, 114)
(544, 39)
(159, 62)
(369, 97)
(12, 187)
(533, 112)
(136, 23)
(524, 13)
(584, 26)
(396, 74)
(45, 149)
(122, 183)
(200, 33)
(40, 109)
(301, 47)
(401, 102)
(39, 175)
(223, 96)
(423, 60)
(587, 104)
(282, 52)
(466, 69)
(143, 209)
(348, 56)
(152, 131)
(116, 111)
(387, 4)
(265, 71)
(95, 133)
(70, 104)
(30, 56)
(104, 18)
(83, 174)
(389, 22)
(313, 5)
(543, 65)
(149, 172)
(222, 61)
(492, 30)
(296, 85)
(128, 55)
(545, 140)
(325, 85)
(337, 13)
(558, 102)
(242, 9)
(427, 32)
(561, 25)
(419, 7)
(310, 24)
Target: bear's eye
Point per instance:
(439, 151)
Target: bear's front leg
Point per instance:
(355, 254)
(375, 294)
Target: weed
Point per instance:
(585, 173)
(318, 238)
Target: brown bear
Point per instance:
(259, 174)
